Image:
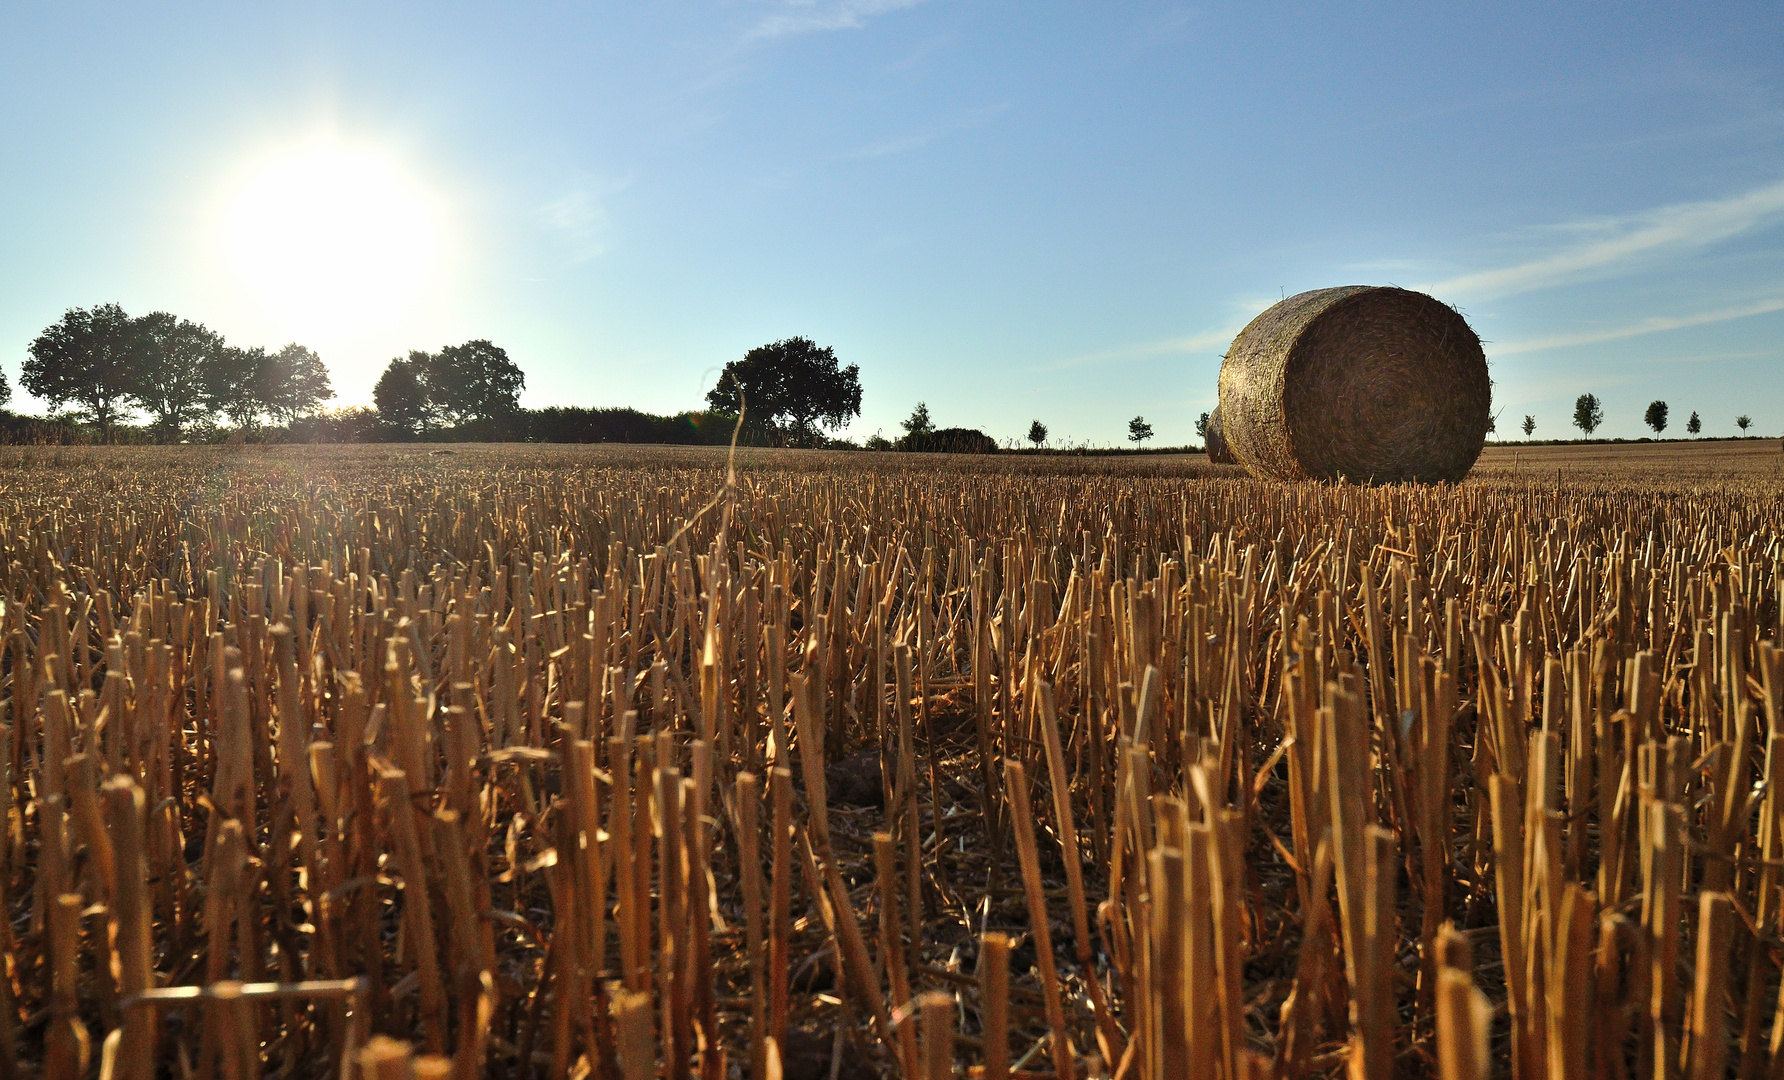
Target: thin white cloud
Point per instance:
(1615, 244)
(1194, 343)
(1652, 325)
(809, 16)
(579, 218)
(917, 139)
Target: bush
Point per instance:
(948, 441)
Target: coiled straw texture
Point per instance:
(1361, 383)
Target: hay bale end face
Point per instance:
(1361, 383)
(1215, 442)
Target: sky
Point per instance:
(1010, 211)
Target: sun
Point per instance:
(331, 237)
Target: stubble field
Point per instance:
(624, 762)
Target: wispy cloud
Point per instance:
(1652, 325)
(809, 16)
(1194, 343)
(924, 136)
(1611, 245)
(579, 219)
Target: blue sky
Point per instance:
(1011, 211)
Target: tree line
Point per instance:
(100, 365)
(1588, 414)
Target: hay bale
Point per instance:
(1219, 453)
(1368, 384)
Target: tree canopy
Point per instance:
(93, 357)
(788, 389)
(473, 381)
(1138, 430)
(460, 384)
(179, 354)
(918, 421)
(1587, 413)
(1655, 417)
(401, 394)
(107, 364)
(248, 385)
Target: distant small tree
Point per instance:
(918, 422)
(1655, 417)
(1138, 430)
(5, 389)
(1037, 433)
(1202, 422)
(1588, 413)
(789, 388)
(1743, 422)
(1694, 425)
(1529, 426)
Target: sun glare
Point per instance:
(332, 238)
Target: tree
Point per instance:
(1037, 433)
(1743, 422)
(1655, 417)
(94, 358)
(1138, 430)
(401, 394)
(1587, 413)
(178, 355)
(5, 389)
(1694, 425)
(1202, 423)
(293, 383)
(918, 422)
(473, 381)
(788, 389)
(1529, 425)
(235, 384)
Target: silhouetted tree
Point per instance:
(1655, 417)
(1743, 422)
(918, 422)
(178, 354)
(94, 358)
(5, 389)
(1694, 425)
(1529, 425)
(1202, 422)
(401, 394)
(1037, 433)
(788, 389)
(1587, 413)
(234, 384)
(473, 381)
(293, 383)
(1138, 430)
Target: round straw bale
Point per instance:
(1368, 384)
(1215, 442)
